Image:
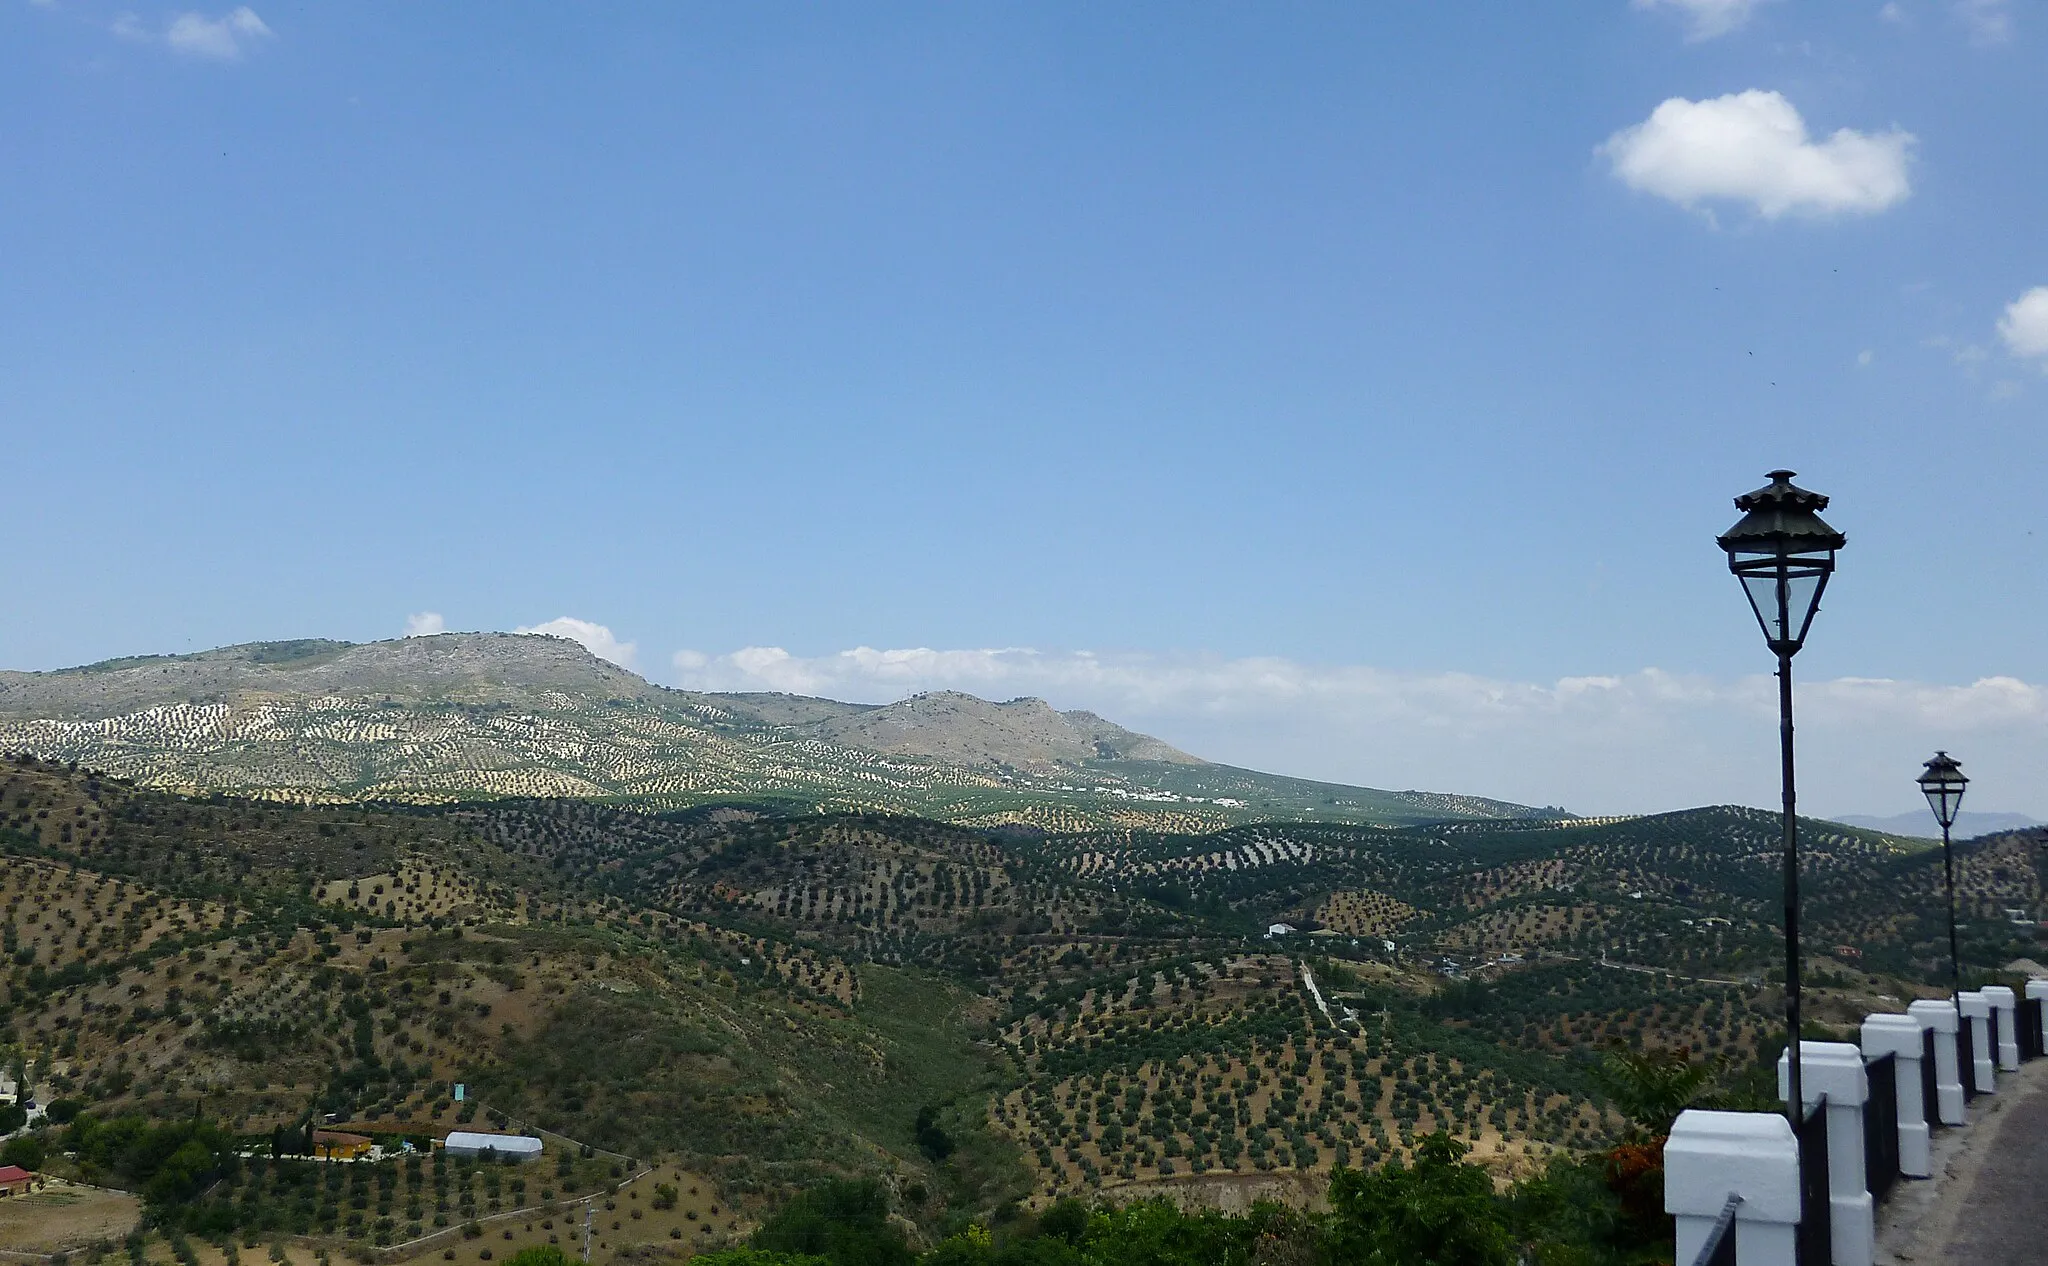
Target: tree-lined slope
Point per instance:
(476, 716)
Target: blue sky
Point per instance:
(1349, 390)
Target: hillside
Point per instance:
(268, 960)
(485, 715)
(978, 1015)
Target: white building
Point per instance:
(1279, 929)
(513, 1147)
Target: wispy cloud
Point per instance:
(1706, 19)
(2024, 326)
(596, 638)
(1631, 741)
(1988, 21)
(425, 624)
(226, 38)
(1752, 147)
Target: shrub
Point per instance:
(842, 1220)
(26, 1151)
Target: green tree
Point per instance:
(1160, 1233)
(1568, 1214)
(845, 1222)
(1066, 1220)
(1438, 1212)
(1651, 1087)
(26, 1151)
(756, 1257)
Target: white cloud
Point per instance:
(425, 624)
(2024, 327)
(1894, 13)
(223, 38)
(1989, 21)
(596, 638)
(1617, 742)
(1752, 147)
(1708, 18)
(1864, 357)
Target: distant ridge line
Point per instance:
(479, 716)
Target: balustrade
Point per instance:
(1745, 1187)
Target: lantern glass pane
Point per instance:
(1801, 597)
(1945, 798)
(1762, 588)
(1784, 597)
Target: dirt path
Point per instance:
(1983, 1203)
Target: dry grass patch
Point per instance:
(64, 1216)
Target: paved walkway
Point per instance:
(1984, 1203)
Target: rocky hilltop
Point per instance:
(464, 668)
(484, 715)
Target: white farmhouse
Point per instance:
(1279, 929)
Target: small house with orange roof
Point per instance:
(336, 1145)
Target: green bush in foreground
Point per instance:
(1438, 1210)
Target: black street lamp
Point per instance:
(1783, 554)
(1942, 783)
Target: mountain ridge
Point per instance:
(479, 715)
(1968, 825)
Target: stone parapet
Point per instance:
(1940, 1016)
(1711, 1156)
(2006, 1008)
(1833, 1072)
(1976, 1009)
(1900, 1036)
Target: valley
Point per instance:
(986, 1018)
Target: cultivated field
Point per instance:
(64, 1216)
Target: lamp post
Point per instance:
(1942, 783)
(1783, 554)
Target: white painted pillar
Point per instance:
(1713, 1155)
(2037, 990)
(1940, 1015)
(2001, 1000)
(1834, 1071)
(1899, 1037)
(1976, 1009)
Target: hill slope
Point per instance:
(767, 998)
(480, 715)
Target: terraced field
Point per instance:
(984, 1014)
